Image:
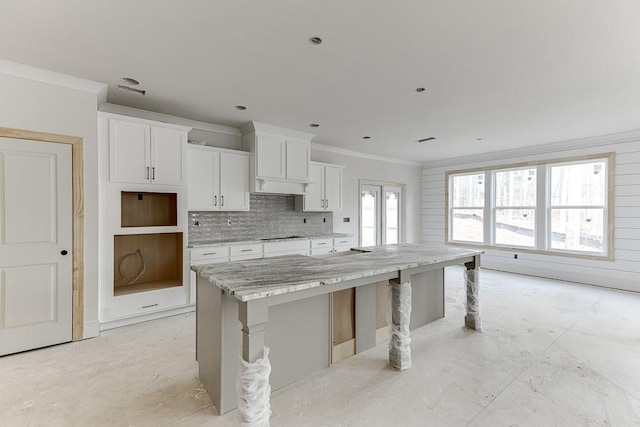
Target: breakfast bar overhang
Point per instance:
(245, 291)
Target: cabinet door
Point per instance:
(167, 150)
(270, 157)
(298, 155)
(315, 190)
(129, 147)
(203, 169)
(234, 182)
(333, 187)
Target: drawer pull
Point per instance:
(149, 306)
(324, 243)
(343, 241)
(210, 253)
(246, 250)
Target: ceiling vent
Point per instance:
(132, 90)
(431, 138)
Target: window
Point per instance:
(578, 206)
(467, 213)
(554, 206)
(380, 214)
(515, 207)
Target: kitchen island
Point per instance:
(291, 295)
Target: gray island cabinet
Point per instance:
(284, 303)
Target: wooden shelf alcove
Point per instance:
(162, 253)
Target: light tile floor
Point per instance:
(551, 353)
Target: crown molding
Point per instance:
(167, 118)
(616, 138)
(50, 77)
(336, 150)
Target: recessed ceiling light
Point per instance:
(241, 107)
(130, 81)
(366, 137)
(314, 125)
(315, 41)
(132, 90)
(420, 89)
(431, 138)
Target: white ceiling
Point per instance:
(512, 72)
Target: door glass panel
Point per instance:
(392, 211)
(368, 230)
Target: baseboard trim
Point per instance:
(116, 323)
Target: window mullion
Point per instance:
(489, 208)
(542, 208)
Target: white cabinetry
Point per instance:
(280, 158)
(145, 152)
(324, 192)
(217, 179)
(290, 247)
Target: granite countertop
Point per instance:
(226, 242)
(261, 278)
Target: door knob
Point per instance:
(64, 252)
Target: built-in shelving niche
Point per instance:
(148, 209)
(147, 261)
(159, 255)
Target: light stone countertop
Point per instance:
(227, 242)
(261, 278)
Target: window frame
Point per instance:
(542, 209)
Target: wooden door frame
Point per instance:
(77, 173)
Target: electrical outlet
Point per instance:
(346, 219)
(196, 223)
(515, 256)
(324, 219)
(304, 220)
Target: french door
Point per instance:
(380, 214)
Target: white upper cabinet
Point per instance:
(280, 158)
(217, 179)
(324, 192)
(146, 152)
(298, 156)
(270, 154)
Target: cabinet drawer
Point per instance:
(348, 242)
(210, 252)
(291, 245)
(244, 250)
(321, 251)
(322, 243)
(296, 252)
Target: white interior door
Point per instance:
(35, 244)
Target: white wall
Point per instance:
(358, 168)
(622, 273)
(31, 105)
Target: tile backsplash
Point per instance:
(271, 215)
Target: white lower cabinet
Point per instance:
(290, 247)
(240, 252)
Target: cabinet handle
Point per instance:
(246, 250)
(210, 253)
(147, 172)
(215, 200)
(222, 200)
(153, 173)
(150, 305)
(326, 203)
(322, 243)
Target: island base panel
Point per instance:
(298, 348)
